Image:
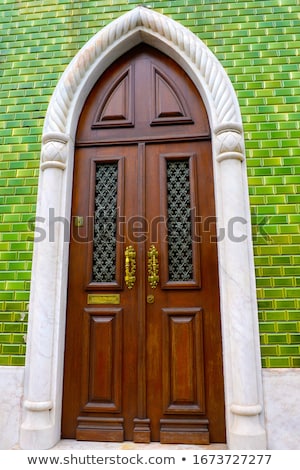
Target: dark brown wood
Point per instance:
(117, 106)
(184, 296)
(162, 104)
(185, 431)
(117, 325)
(99, 429)
(183, 361)
(102, 356)
(142, 429)
(150, 367)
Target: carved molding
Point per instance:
(246, 410)
(54, 151)
(229, 143)
(142, 19)
(38, 405)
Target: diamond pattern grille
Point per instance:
(105, 222)
(179, 221)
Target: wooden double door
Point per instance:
(143, 357)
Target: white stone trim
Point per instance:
(11, 392)
(241, 355)
(282, 412)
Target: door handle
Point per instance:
(153, 267)
(130, 266)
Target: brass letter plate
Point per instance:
(94, 299)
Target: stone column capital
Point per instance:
(54, 151)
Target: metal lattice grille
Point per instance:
(179, 221)
(105, 222)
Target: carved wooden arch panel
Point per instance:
(169, 107)
(115, 107)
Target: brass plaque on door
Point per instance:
(94, 299)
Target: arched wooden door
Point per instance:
(143, 358)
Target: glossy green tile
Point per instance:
(267, 351)
(279, 362)
(289, 350)
(267, 327)
(295, 361)
(256, 47)
(294, 338)
(287, 326)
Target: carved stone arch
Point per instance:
(40, 428)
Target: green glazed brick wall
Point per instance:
(258, 44)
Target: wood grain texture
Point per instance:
(144, 371)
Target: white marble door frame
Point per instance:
(40, 428)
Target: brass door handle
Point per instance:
(130, 266)
(153, 267)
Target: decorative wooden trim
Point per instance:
(100, 429)
(188, 431)
(124, 117)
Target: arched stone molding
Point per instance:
(40, 428)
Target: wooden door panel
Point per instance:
(102, 361)
(168, 105)
(180, 338)
(100, 387)
(183, 361)
(183, 418)
(116, 108)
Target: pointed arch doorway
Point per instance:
(147, 347)
(41, 419)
